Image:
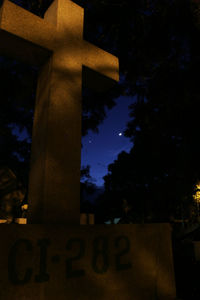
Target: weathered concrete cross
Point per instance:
(56, 45)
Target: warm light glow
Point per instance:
(197, 194)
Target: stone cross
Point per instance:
(56, 45)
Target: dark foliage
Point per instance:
(158, 176)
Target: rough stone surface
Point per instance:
(101, 262)
(56, 44)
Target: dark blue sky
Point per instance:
(99, 150)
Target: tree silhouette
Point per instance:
(158, 176)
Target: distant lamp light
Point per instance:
(197, 194)
(120, 134)
(196, 197)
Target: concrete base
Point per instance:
(121, 262)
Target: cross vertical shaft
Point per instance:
(57, 125)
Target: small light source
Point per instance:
(120, 134)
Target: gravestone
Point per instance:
(55, 257)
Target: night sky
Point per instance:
(101, 149)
